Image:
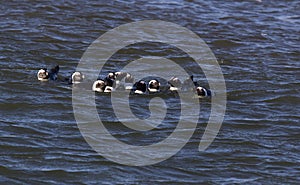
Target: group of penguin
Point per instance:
(125, 81)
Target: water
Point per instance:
(257, 45)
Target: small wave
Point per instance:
(226, 43)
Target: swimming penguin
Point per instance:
(109, 82)
(111, 75)
(153, 86)
(44, 75)
(127, 77)
(129, 82)
(98, 86)
(120, 75)
(174, 84)
(110, 79)
(203, 92)
(76, 78)
(140, 87)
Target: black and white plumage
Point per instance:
(112, 82)
(129, 80)
(153, 86)
(191, 85)
(111, 75)
(109, 82)
(120, 75)
(98, 86)
(102, 86)
(140, 87)
(203, 92)
(44, 75)
(174, 84)
(76, 78)
(110, 79)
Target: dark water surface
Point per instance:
(258, 48)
